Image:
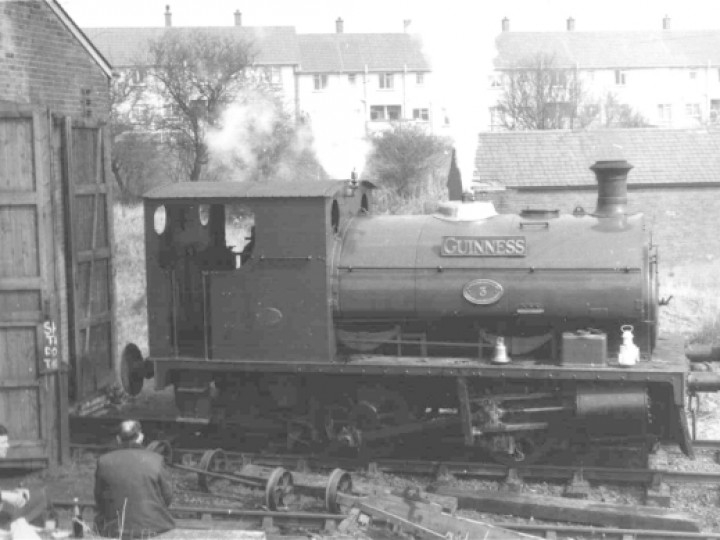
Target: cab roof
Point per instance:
(246, 190)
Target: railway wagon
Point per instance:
(510, 334)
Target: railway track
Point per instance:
(462, 469)
(233, 518)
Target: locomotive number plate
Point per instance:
(482, 291)
(483, 246)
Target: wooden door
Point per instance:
(90, 257)
(30, 405)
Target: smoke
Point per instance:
(460, 46)
(243, 125)
(338, 127)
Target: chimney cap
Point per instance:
(167, 8)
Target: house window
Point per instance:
(419, 79)
(692, 75)
(665, 112)
(273, 76)
(715, 111)
(496, 117)
(692, 110)
(320, 81)
(421, 114)
(385, 112)
(171, 110)
(351, 78)
(138, 76)
(495, 80)
(620, 77)
(386, 81)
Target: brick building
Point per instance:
(47, 60)
(675, 180)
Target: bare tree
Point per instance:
(621, 115)
(537, 94)
(197, 73)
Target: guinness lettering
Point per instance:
(483, 246)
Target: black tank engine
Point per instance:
(293, 307)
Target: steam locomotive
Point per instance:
(511, 334)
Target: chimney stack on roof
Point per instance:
(406, 24)
(168, 16)
(506, 24)
(571, 24)
(238, 18)
(666, 23)
(339, 26)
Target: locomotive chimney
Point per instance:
(168, 16)
(612, 187)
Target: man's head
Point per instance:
(4, 441)
(130, 432)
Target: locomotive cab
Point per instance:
(238, 271)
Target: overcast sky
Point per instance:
(387, 15)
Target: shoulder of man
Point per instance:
(122, 454)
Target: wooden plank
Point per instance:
(71, 267)
(20, 283)
(46, 415)
(15, 110)
(59, 229)
(110, 231)
(90, 189)
(572, 510)
(88, 255)
(425, 520)
(18, 198)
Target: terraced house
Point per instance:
(363, 81)
(671, 77)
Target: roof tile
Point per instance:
(563, 158)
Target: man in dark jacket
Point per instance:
(132, 489)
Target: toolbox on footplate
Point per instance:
(584, 347)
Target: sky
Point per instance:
(457, 35)
(388, 15)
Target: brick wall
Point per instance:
(685, 220)
(42, 63)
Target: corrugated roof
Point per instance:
(275, 45)
(664, 48)
(562, 158)
(247, 190)
(353, 52)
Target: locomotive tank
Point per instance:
(501, 271)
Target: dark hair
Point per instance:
(129, 430)
(3, 430)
